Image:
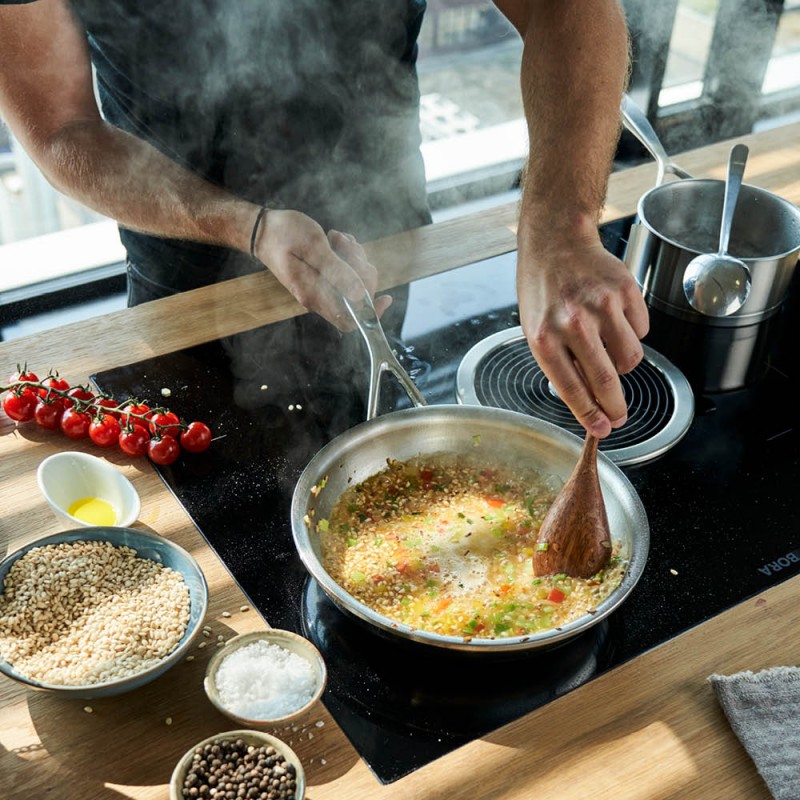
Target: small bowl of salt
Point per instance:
(266, 678)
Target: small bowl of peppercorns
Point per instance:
(239, 764)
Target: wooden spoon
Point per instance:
(574, 537)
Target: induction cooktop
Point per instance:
(721, 504)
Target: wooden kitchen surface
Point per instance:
(650, 728)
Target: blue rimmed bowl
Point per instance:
(147, 545)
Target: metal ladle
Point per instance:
(717, 284)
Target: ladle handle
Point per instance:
(736, 164)
(381, 355)
(637, 123)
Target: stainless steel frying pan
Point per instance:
(506, 437)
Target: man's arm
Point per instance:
(580, 308)
(47, 99)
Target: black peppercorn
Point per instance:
(236, 770)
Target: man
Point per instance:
(214, 109)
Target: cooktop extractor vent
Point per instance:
(500, 371)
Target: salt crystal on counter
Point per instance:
(262, 680)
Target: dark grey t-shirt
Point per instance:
(304, 104)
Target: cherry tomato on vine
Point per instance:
(171, 422)
(52, 382)
(133, 440)
(196, 438)
(104, 431)
(109, 405)
(163, 451)
(48, 415)
(135, 409)
(76, 393)
(20, 407)
(25, 375)
(75, 424)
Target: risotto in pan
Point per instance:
(445, 546)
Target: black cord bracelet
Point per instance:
(261, 213)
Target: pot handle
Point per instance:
(635, 120)
(381, 356)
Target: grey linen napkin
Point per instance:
(763, 709)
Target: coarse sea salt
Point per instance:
(262, 680)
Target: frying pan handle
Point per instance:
(381, 356)
(637, 123)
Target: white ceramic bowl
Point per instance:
(288, 640)
(256, 738)
(66, 477)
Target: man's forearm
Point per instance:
(574, 70)
(125, 178)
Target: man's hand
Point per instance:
(583, 316)
(580, 308)
(318, 269)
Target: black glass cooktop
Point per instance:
(721, 504)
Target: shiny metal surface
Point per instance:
(645, 441)
(635, 120)
(717, 284)
(506, 437)
(681, 220)
(381, 356)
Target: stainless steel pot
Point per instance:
(680, 220)
(506, 437)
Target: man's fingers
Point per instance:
(574, 390)
(347, 247)
(622, 344)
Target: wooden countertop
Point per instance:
(650, 728)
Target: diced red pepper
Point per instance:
(556, 596)
(495, 502)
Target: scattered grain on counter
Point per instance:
(226, 614)
(165, 392)
(168, 721)
(244, 608)
(231, 768)
(262, 680)
(88, 709)
(673, 572)
(81, 613)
